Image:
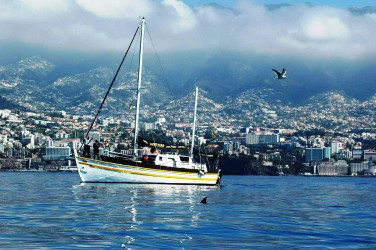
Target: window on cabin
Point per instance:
(184, 158)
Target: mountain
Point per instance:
(228, 74)
(6, 104)
(26, 72)
(34, 81)
(46, 83)
(240, 90)
(361, 84)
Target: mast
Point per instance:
(135, 144)
(194, 123)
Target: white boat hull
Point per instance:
(91, 170)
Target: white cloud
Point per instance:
(116, 9)
(32, 10)
(45, 5)
(326, 24)
(101, 25)
(326, 28)
(184, 18)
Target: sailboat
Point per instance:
(151, 167)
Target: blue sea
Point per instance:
(53, 210)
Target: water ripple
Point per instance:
(52, 210)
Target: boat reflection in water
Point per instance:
(145, 207)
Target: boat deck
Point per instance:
(145, 164)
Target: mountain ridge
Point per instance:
(220, 76)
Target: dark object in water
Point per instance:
(204, 200)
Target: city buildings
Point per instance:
(261, 130)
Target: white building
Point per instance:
(147, 126)
(338, 168)
(369, 155)
(256, 138)
(336, 147)
(27, 139)
(61, 135)
(104, 122)
(14, 119)
(50, 143)
(3, 138)
(343, 154)
(318, 143)
(201, 140)
(252, 138)
(4, 113)
(55, 153)
(360, 167)
(161, 120)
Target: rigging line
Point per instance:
(160, 65)
(130, 65)
(112, 83)
(164, 77)
(163, 73)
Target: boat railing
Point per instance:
(119, 155)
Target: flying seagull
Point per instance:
(279, 74)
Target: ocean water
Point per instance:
(53, 210)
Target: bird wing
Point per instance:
(277, 72)
(284, 71)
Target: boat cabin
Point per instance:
(176, 161)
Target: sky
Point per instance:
(325, 30)
(334, 3)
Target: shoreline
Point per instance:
(300, 175)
